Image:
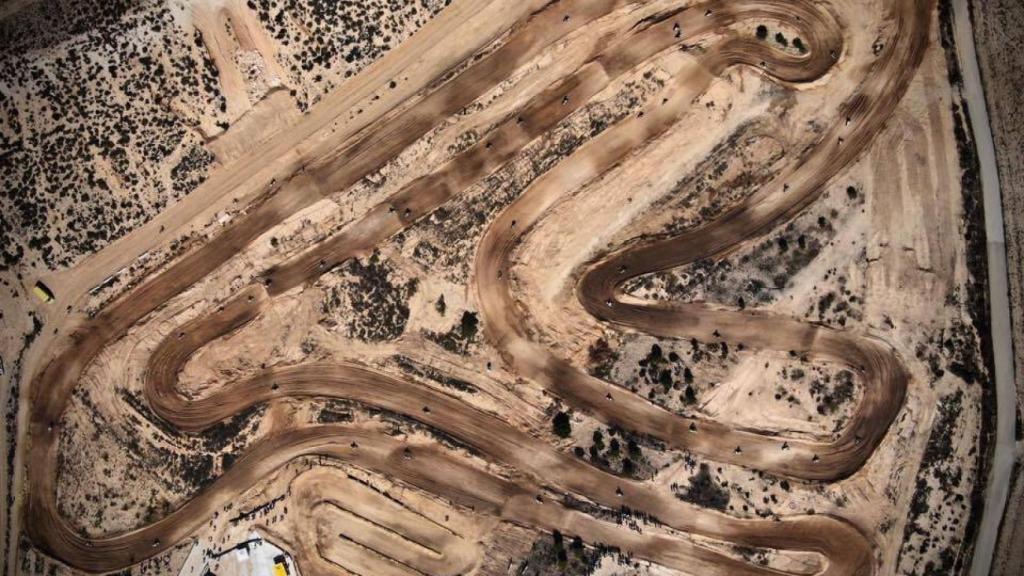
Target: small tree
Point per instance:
(468, 325)
(690, 395)
(633, 448)
(577, 544)
(559, 544)
(627, 467)
(781, 39)
(762, 31)
(561, 425)
(665, 379)
(799, 45)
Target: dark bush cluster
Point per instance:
(704, 491)
(940, 475)
(340, 37)
(89, 139)
(560, 556)
(621, 454)
(373, 305)
(460, 336)
(832, 393)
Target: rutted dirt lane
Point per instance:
(846, 550)
(599, 289)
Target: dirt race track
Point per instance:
(844, 549)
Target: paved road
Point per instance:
(1006, 391)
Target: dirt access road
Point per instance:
(844, 548)
(326, 128)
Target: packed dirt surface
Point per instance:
(492, 287)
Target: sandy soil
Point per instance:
(431, 297)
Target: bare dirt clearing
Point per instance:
(680, 284)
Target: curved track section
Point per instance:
(403, 540)
(845, 549)
(600, 292)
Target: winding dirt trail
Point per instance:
(600, 293)
(845, 549)
(372, 520)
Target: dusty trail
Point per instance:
(599, 289)
(368, 151)
(846, 550)
(400, 535)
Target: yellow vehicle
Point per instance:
(280, 566)
(43, 292)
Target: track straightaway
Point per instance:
(845, 549)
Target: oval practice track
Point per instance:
(846, 550)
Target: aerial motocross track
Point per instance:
(844, 549)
